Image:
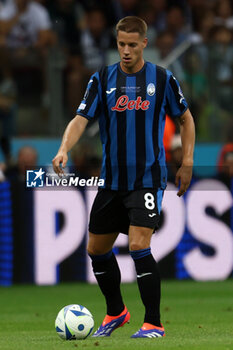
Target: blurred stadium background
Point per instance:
(48, 50)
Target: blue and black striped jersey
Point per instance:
(131, 109)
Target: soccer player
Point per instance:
(131, 99)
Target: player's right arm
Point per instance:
(72, 134)
(87, 110)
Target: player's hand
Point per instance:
(59, 163)
(183, 177)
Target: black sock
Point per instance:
(149, 284)
(108, 276)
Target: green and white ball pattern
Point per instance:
(74, 322)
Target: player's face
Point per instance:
(130, 47)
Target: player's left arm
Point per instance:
(187, 132)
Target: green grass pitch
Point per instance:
(195, 316)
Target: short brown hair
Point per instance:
(132, 24)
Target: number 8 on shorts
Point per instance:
(149, 201)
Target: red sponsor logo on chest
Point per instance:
(124, 103)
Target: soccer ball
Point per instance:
(74, 322)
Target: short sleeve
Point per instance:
(176, 104)
(89, 106)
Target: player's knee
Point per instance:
(94, 250)
(91, 251)
(137, 246)
(90, 248)
(139, 239)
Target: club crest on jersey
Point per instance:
(150, 89)
(124, 103)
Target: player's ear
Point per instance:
(145, 41)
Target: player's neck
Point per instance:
(132, 70)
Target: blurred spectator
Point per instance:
(63, 16)
(200, 39)
(222, 35)
(26, 160)
(203, 28)
(25, 24)
(177, 24)
(196, 87)
(25, 29)
(108, 7)
(165, 43)
(222, 68)
(199, 9)
(159, 11)
(224, 13)
(153, 12)
(225, 164)
(95, 39)
(123, 8)
(8, 92)
(147, 13)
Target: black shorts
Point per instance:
(114, 211)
